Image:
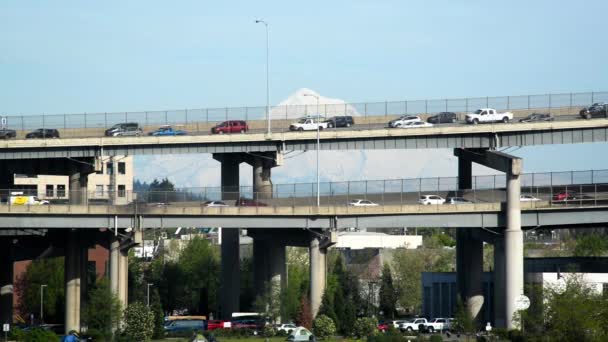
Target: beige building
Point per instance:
(114, 180)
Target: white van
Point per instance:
(18, 198)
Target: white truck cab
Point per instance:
(308, 124)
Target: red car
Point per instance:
(565, 196)
(383, 327)
(215, 324)
(232, 126)
(246, 202)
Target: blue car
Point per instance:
(167, 131)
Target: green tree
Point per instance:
(463, 322)
(268, 302)
(387, 294)
(199, 265)
(102, 312)
(366, 327)
(297, 282)
(591, 245)
(139, 322)
(49, 272)
(304, 314)
(323, 327)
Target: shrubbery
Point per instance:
(323, 327)
(33, 335)
(365, 327)
(139, 322)
(436, 338)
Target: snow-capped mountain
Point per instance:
(304, 102)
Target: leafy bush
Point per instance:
(33, 335)
(323, 327)
(269, 331)
(365, 327)
(139, 322)
(436, 338)
(393, 336)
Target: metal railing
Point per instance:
(573, 188)
(365, 114)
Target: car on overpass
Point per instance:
(308, 124)
(528, 198)
(569, 195)
(167, 130)
(362, 203)
(43, 133)
(6, 133)
(457, 200)
(247, 202)
(214, 204)
(230, 126)
(596, 110)
(124, 129)
(443, 117)
(417, 124)
(403, 121)
(431, 199)
(340, 121)
(535, 117)
(484, 115)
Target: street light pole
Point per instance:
(260, 21)
(317, 122)
(42, 286)
(148, 294)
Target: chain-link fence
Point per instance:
(196, 121)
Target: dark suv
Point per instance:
(182, 326)
(124, 129)
(340, 121)
(43, 133)
(444, 117)
(6, 133)
(596, 110)
(232, 126)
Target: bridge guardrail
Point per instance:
(366, 115)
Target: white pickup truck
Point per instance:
(307, 124)
(438, 324)
(415, 324)
(488, 115)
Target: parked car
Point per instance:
(340, 121)
(417, 124)
(43, 133)
(403, 120)
(431, 199)
(248, 323)
(215, 324)
(286, 327)
(443, 117)
(301, 334)
(397, 323)
(457, 200)
(528, 198)
(167, 131)
(231, 126)
(214, 204)
(569, 195)
(538, 117)
(180, 326)
(308, 124)
(484, 115)
(383, 326)
(362, 203)
(596, 110)
(6, 133)
(437, 324)
(247, 202)
(124, 129)
(416, 324)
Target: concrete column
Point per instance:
(6, 281)
(278, 266)
(269, 265)
(260, 265)
(231, 280)
(73, 256)
(262, 184)
(318, 266)
(229, 174)
(123, 277)
(499, 283)
(514, 250)
(76, 196)
(114, 272)
(465, 174)
(469, 270)
(84, 273)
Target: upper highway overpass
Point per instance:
(83, 135)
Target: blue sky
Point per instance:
(85, 56)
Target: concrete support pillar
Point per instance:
(114, 252)
(465, 174)
(514, 249)
(260, 265)
(6, 281)
(499, 283)
(469, 270)
(269, 265)
(84, 274)
(262, 183)
(231, 280)
(73, 268)
(278, 267)
(318, 268)
(229, 174)
(119, 272)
